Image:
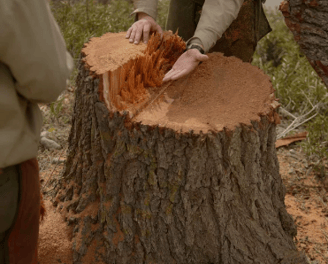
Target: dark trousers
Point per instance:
(19, 213)
(239, 40)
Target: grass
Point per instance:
(83, 20)
(278, 55)
(297, 85)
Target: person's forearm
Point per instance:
(216, 17)
(196, 40)
(148, 7)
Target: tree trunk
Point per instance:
(192, 178)
(307, 20)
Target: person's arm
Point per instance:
(216, 17)
(146, 12)
(32, 46)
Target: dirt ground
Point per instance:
(306, 192)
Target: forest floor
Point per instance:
(306, 191)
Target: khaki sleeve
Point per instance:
(32, 46)
(216, 17)
(146, 6)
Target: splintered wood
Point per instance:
(124, 86)
(129, 90)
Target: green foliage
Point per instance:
(163, 9)
(317, 141)
(297, 85)
(56, 107)
(82, 20)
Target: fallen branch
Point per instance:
(298, 121)
(286, 112)
(288, 140)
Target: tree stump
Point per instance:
(307, 20)
(191, 178)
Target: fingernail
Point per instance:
(136, 42)
(131, 40)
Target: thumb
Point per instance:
(202, 57)
(160, 30)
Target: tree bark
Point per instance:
(138, 193)
(307, 20)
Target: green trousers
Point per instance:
(9, 193)
(239, 40)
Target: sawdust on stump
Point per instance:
(222, 92)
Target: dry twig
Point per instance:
(298, 121)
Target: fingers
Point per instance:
(138, 35)
(160, 30)
(179, 75)
(185, 64)
(133, 34)
(165, 79)
(202, 57)
(141, 29)
(173, 75)
(128, 33)
(168, 75)
(145, 32)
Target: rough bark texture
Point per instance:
(307, 20)
(139, 194)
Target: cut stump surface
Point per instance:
(222, 93)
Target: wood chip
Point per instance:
(291, 139)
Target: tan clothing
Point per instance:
(34, 66)
(216, 17)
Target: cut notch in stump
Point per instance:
(125, 83)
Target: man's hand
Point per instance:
(142, 27)
(186, 63)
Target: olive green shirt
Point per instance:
(216, 17)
